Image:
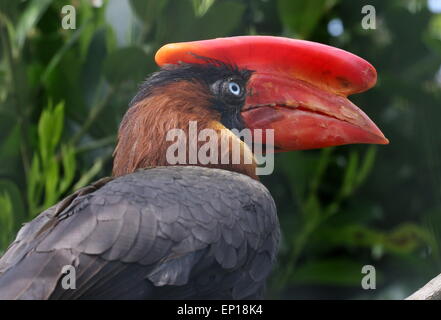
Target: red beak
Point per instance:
(298, 88)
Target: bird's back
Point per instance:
(165, 232)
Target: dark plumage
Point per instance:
(151, 234)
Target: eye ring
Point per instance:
(234, 88)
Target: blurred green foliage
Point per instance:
(63, 93)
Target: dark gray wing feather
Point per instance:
(168, 232)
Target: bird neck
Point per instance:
(156, 130)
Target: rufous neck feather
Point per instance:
(143, 140)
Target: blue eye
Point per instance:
(234, 88)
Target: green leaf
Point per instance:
(52, 176)
(174, 25)
(6, 219)
(202, 6)
(9, 187)
(367, 165)
(57, 128)
(30, 17)
(87, 177)
(10, 147)
(124, 64)
(302, 17)
(69, 166)
(337, 272)
(404, 239)
(9, 8)
(44, 135)
(61, 52)
(92, 70)
(220, 19)
(353, 235)
(312, 210)
(297, 167)
(322, 165)
(148, 10)
(34, 185)
(50, 127)
(349, 180)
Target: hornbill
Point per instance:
(156, 230)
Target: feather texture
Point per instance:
(165, 232)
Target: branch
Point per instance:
(431, 291)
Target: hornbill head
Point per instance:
(297, 88)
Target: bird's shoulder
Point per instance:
(33, 231)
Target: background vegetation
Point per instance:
(63, 93)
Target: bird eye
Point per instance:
(234, 88)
